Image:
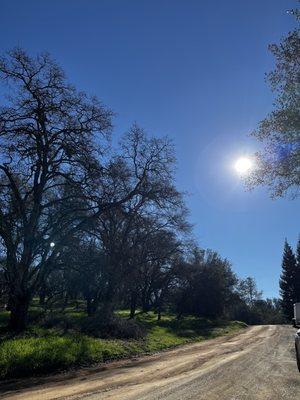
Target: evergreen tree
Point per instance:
(288, 281)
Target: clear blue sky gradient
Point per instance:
(191, 69)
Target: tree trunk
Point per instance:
(19, 313)
(65, 300)
(132, 305)
(159, 314)
(179, 316)
(159, 306)
(42, 296)
(145, 303)
(91, 306)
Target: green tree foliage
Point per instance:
(247, 305)
(288, 282)
(262, 312)
(278, 164)
(207, 285)
(248, 291)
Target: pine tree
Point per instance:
(288, 281)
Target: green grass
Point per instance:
(41, 350)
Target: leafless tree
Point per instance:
(57, 171)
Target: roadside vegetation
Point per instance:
(41, 350)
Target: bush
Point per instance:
(111, 326)
(56, 320)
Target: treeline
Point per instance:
(81, 220)
(290, 280)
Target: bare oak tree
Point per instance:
(57, 172)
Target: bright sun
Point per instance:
(243, 165)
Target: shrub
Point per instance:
(111, 326)
(56, 320)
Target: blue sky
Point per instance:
(191, 69)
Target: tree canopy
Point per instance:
(59, 176)
(278, 163)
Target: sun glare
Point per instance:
(243, 165)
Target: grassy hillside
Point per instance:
(40, 350)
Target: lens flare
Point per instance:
(243, 165)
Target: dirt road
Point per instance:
(258, 363)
